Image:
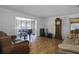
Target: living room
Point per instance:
(44, 17)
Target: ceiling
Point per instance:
(44, 11)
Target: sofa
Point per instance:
(6, 46)
(70, 45)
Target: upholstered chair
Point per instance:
(2, 34)
(9, 48)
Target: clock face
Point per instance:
(58, 22)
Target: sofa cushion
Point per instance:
(69, 47)
(76, 41)
(68, 41)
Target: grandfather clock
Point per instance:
(58, 29)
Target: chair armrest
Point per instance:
(13, 37)
(21, 48)
(20, 42)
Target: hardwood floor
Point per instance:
(42, 45)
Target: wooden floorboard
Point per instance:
(42, 45)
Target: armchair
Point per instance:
(9, 48)
(6, 46)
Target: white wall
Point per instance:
(7, 21)
(65, 24)
(50, 25)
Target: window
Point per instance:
(23, 24)
(74, 26)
